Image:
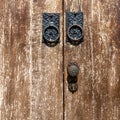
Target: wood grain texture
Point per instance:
(98, 95)
(14, 67)
(46, 79)
(30, 72)
(31, 80)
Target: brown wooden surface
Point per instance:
(30, 72)
(98, 95)
(31, 79)
(46, 80)
(15, 60)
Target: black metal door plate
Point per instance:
(50, 28)
(74, 27)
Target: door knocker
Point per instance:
(51, 33)
(74, 27)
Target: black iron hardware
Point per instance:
(73, 87)
(50, 26)
(74, 27)
(73, 71)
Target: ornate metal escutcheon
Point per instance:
(73, 71)
(50, 28)
(74, 27)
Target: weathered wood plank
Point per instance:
(46, 80)
(78, 105)
(15, 102)
(106, 59)
(1, 55)
(30, 72)
(98, 96)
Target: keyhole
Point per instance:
(75, 15)
(51, 16)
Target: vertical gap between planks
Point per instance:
(63, 59)
(92, 60)
(30, 43)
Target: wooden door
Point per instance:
(98, 57)
(31, 86)
(33, 76)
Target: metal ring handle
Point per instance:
(75, 33)
(51, 33)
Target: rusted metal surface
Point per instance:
(98, 95)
